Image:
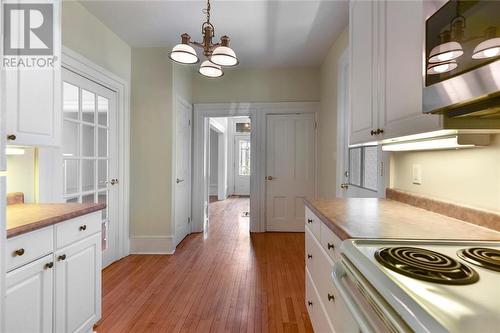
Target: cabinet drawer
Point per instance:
(313, 222)
(330, 242)
(317, 314)
(28, 247)
(78, 228)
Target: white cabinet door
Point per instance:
(401, 44)
(29, 294)
(363, 116)
(33, 96)
(78, 286)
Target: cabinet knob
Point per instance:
(83, 227)
(309, 303)
(344, 186)
(309, 221)
(11, 137)
(331, 298)
(19, 252)
(379, 131)
(61, 257)
(372, 132)
(309, 256)
(331, 246)
(49, 265)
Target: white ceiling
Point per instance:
(263, 33)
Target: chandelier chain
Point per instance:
(206, 11)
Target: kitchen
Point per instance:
(375, 182)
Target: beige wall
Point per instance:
(151, 143)
(21, 174)
(327, 124)
(84, 33)
(258, 85)
(467, 176)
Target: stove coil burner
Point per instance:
(483, 257)
(426, 265)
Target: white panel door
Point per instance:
(90, 152)
(182, 195)
(29, 297)
(241, 164)
(78, 286)
(290, 169)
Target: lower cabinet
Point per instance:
(327, 310)
(58, 292)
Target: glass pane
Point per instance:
(355, 166)
(70, 101)
(70, 138)
(88, 175)
(243, 127)
(370, 173)
(89, 198)
(102, 173)
(72, 200)
(244, 160)
(87, 140)
(70, 176)
(102, 197)
(88, 106)
(102, 110)
(102, 142)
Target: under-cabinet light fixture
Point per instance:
(440, 143)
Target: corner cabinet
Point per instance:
(54, 278)
(386, 71)
(33, 96)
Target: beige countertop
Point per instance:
(22, 218)
(383, 218)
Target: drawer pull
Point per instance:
(331, 298)
(49, 265)
(331, 246)
(11, 137)
(83, 227)
(61, 257)
(19, 252)
(309, 256)
(309, 303)
(309, 221)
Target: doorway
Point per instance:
(90, 152)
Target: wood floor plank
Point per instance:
(227, 280)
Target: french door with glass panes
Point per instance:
(90, 152)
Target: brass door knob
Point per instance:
(11, 137)
(19, 252)
(344, 186)
(179, 180)
(270, 178)
(83, 227)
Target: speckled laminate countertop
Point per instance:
(382, 218)
(23, 218)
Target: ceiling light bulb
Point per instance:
(224, 56)
(184, 54)
(442, 67)
(445, 52)
(210, 69)
(487, 49)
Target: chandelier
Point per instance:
(218, 54)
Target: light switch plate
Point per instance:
(417, 174)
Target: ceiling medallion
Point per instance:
(218, 54)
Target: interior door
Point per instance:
(90, 152)
(242, 164)
(182, 196)
(290, 169)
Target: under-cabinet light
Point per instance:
(449, 142)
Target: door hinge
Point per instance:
(315, 125)
(189, 122)
(381, 169)
(189, 220)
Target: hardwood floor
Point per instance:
(227, 280)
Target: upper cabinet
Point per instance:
(386, 71)
(33, 77)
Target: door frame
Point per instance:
(88, 69)
(257, 113)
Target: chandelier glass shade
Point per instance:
(218, 54)
(442, 67)
(445, 52)
(487, 49)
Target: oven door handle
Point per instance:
(339, 273)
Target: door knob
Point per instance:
(344, 186)
(270, 178)
(179, 180)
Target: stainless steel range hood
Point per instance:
(475, 94)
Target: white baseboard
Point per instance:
(152, 245)
(212, 189)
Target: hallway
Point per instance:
(223, 281)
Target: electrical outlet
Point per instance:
(417, 174)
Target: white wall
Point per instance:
(21, 174)
(327, 119)
(467, 176)
(214, 161)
